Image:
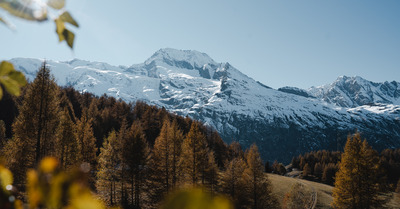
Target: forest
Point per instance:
(136, 155)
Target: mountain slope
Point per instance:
(356, 91)
(240, 108)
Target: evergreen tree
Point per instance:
(109, 164)
(194, 156)
(357, 181)
(259, 187)
(67, 144)
(135, 157)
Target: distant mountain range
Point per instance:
(283, 122)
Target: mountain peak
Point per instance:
(169, 55)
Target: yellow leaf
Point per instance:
(11, 79)
(34, 195)
(11, 86)
(85, 201)
(18, 77)
(1, 93)
(66, 17)
(48, 164)
(18, 204)
(59, 29)
(5, 68)
(6, 177)
(196, 199)
(56, 4)
(69, 37)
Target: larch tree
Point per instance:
(123, 171)
(194, 155)
(161, 163)
(329, 173)
(357, 181)
(176, 136)
(232, 182)
(135, 157)
(35, 127)
(86, 146)
(306, 170)
(164, 160)
(67, 144)
(40, 111)
(109, 165)
(212, 173)
(318, 170)
(259, 187)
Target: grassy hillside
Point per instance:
(282, 184)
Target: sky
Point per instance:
(279, 43)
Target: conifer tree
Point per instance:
(306, 170)
(67, 143)
(329, 173)
(318, 170)
(259, 187)
(176, 136)
(109, 164)
(357, 181)
(39, 114)
(161, 163)
(164, 160)
(135, 157)
(86, 146)
(232, 182)
(122, 172)
(211, 175)
(35, 127)
(194, 156)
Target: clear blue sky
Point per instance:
(295, 43)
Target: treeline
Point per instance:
(134, 154)
(322, 165)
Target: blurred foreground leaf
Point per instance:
(62, 32)
(6, 178)
(10, 79)
(66, 17)
(28, 10)
(37, 11)
(56, 4)
(196, 199)
(49, 187)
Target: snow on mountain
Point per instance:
(191, 83)
(356, 91)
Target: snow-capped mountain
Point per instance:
(188, 82)
(356, 91)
